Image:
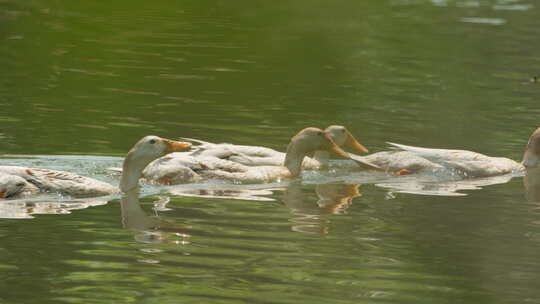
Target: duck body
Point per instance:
(241, 174)
(181, 169)
(65, 183)
(245, 155)
(459, 163)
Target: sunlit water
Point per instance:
(86, 78)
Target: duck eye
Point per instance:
(19, 184)
(342, 130)
(320, 133)
(152, 141)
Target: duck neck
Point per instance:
(131, 172)
(293, 159)
(322, 157)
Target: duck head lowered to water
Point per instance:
(13, 185)
(17, 179)
(531, 162)
(531, 156)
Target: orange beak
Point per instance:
(336, 149)
(176, 146)
(3, 194)
(354, 144)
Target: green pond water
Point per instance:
(81, 81)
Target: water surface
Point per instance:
(89, 79)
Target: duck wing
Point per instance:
(495, 166)
(68, 183)
(363, 162)
(61, 181)
(442, 155)
(243, 154)
(463, 162)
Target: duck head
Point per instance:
(11, 185)
(143, 152)
(307, 141)
(531, 157)
(342, 137)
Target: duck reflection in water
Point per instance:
(332, 199)
(150, 228)
(531, 181)
(336, 198)
(27, 208)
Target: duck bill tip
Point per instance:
(334, 148)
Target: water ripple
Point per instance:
(479, 20)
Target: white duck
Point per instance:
(181, 168)
(36, 180)
(462, 163)
(13, 185)
(262, 156)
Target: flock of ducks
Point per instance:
(170, 162)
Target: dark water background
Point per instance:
(91, 77)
